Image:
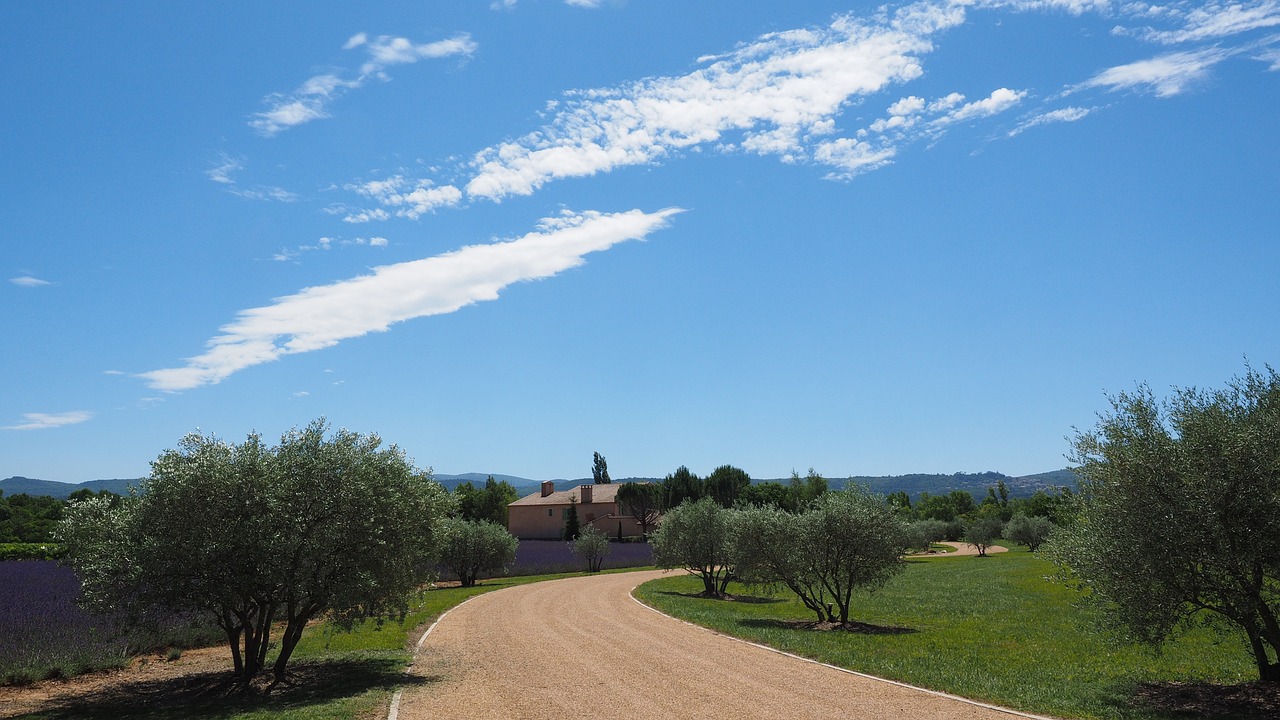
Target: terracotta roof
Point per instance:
(603, 493)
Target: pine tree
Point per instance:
(572, 528)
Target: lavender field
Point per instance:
(541, 557)
(44, 634)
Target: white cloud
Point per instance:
(852, 157)
(322, 316)
(45, 421)
(412, 199)
(1166, 75)
(1213, 21)
(28, 281)
(584, 3)
(1272, 56)
(311, 99)
(378, 241)
(386, 51)
(226, 167)
(502, 5)
(1067, 114)
(365, 216)
(773, 94)
(276, 194)
(999, 101)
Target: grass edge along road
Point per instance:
(991, 629)
(340, 674)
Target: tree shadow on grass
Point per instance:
(852, 626)
(218, 695)
(748, 599)
(1247, 701)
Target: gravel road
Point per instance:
(582, 647)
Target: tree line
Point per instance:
(34, 518)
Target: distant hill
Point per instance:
(975, 484)
(934, 484)
(20, 485)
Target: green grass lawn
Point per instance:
(992, 629)
(336, 674)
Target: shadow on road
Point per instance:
(218, 695)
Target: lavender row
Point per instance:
(43, 633)
(540, 557)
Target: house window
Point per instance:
(551, 512)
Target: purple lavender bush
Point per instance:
(543, 557)
(44, 634)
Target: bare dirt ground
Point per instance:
(583, 647)
(146, 671)
(964, 549)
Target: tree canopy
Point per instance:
(471, 548)
(1181, 513)
(599, 470)
(250, 535)
(696, 536)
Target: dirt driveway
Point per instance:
(582, 647)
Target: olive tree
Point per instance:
(922, 534)
(1181, 513)
(982, 532)
(695, 536)
(592, 546)
(470, 548)
(1029, 531)
(846, 541)
(252, 536)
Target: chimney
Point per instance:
(586, 494)
(548, 487)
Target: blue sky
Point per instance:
(865, 239)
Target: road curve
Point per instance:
(582, 647)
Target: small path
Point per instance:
(583, 647)
(964, 549)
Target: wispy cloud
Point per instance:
(778, 95)
(45, 421)
(311, 100)
(327, 243)
(224, 171)
(584, 3)
(1166, 75)
(322, 316)
(1211, 21)
(1061, 115)
(29, 281)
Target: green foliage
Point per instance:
(726, 484)
(1029, 531)
(845, 541)
(922, 534)
(768, 494)
(599, 470)
(249, 535)
(982, 531)
(994, 630)
(572, 525)
(805, 490)
(680, 486)
(471, 548)
(30, 551)
(696, 536)
(488, 504)
(592, 546)
(643, 501)
(1181, 518)
(28, 518)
